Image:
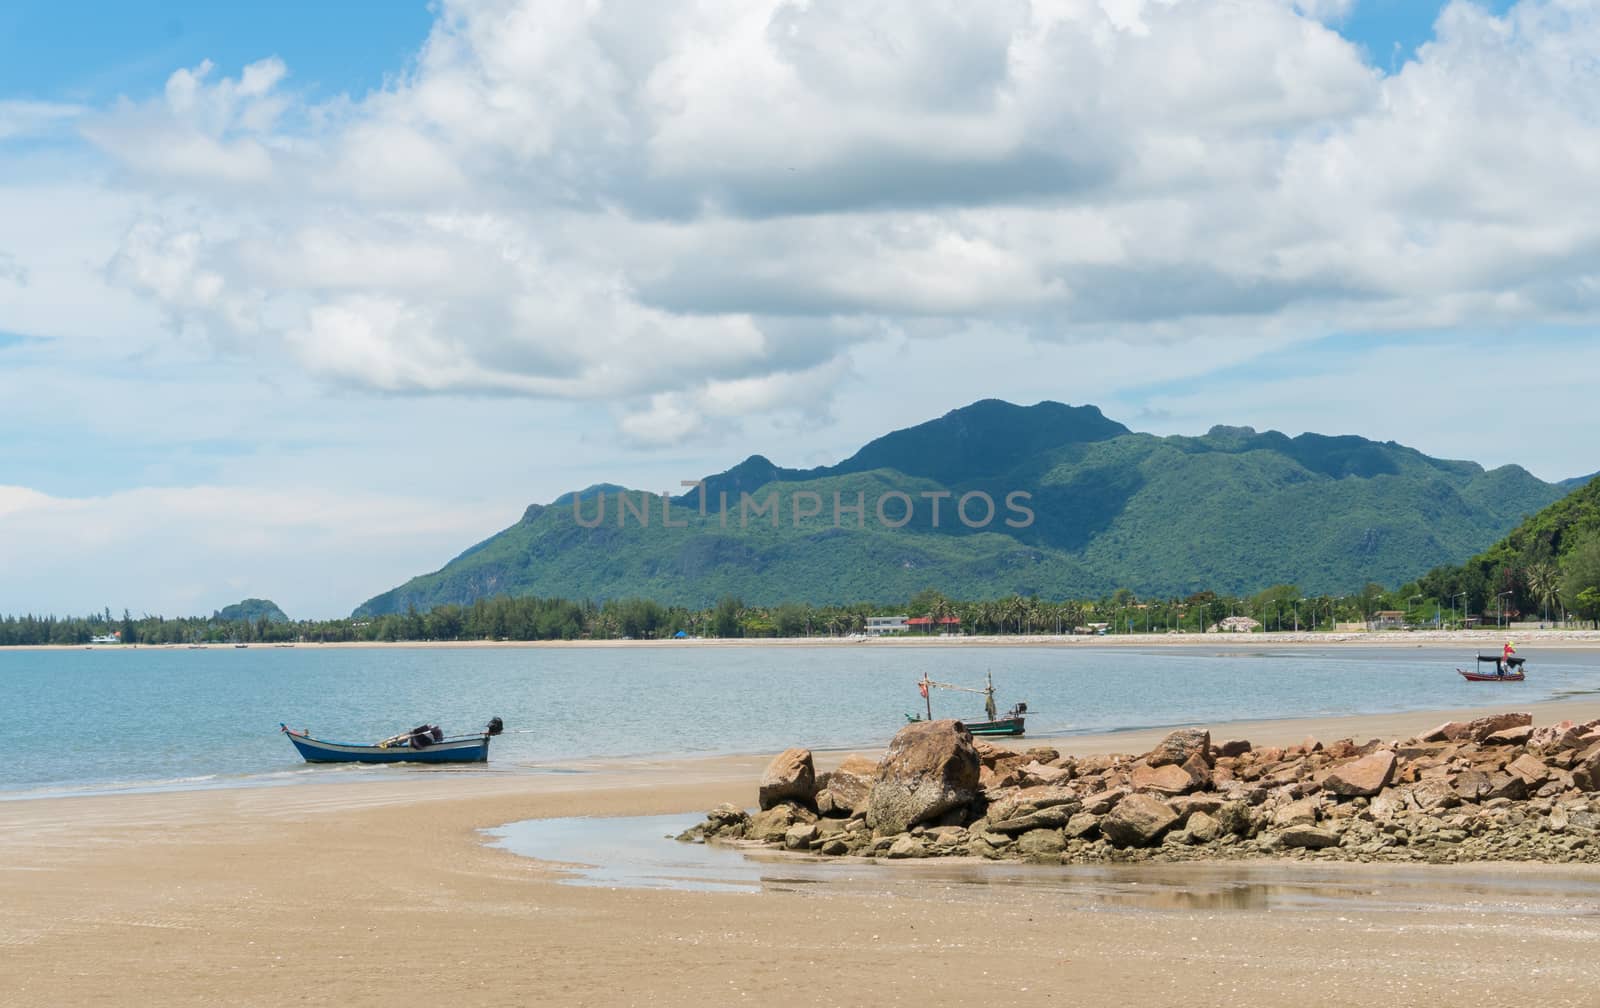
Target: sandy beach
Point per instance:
(1490, 639)
(385, 892)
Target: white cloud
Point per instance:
(659, 207)
(32, 118)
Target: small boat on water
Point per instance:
(993, 724)
(1506, 669)
(422, 744)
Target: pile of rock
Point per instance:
(1492, 789)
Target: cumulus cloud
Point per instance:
(694, 211)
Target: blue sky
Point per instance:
(268, 275)
(76, 51)
(80, 51)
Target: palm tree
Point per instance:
(1544, 582)
(1015, 607)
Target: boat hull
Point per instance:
(474, 749)
(1491, 677)
(1004, 726)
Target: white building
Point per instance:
(885, 624)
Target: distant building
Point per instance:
(1234, 624)
(923, 624)
(1387, 619)
(114, 637)
(885, 624)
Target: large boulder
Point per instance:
(844, 790)
(1362, 777)
(931, 767)
(1179, 746)
(1137, 821)
(790, 776)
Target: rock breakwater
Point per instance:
(1493, 789)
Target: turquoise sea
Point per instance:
(103, 719)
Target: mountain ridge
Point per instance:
(1108, 507)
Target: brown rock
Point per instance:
(1481, 728)
(1137, 821)
(789, 777)
(1308, 836)
(1000, 767)
(1179, 746)
(843, 792)
(1202, 828)
(1435, 794)
(1026, 800)
(770, 825)
(1530, 768)
(1365, 776)
(1189, 804)
(1586, 769)
(1471, 785)
(1041, 844)
(1504, 785)
(1510, 736)
(1299, 813)
(1233, 747)
(1040, 773)
(1052, 818)
(1167, 779)
(930, 768)
(799, 836)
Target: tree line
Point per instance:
(1447, 597)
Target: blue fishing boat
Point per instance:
(422, 744)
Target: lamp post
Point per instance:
(1500, 607)
(1458, 595)
(1408, 606)
(1297, 615)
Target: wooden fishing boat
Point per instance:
(1012, 723)
(423, 744)
(1506, 669)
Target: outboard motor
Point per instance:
(495, 726)
(424, 736)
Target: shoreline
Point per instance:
(355, 890)
(1285, 731)
(1550, 638)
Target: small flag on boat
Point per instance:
(922, 687)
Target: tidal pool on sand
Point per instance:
(641, 852)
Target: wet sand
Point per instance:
(386, 892)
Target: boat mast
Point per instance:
(927, 693)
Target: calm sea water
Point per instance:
(105, 718)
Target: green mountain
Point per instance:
(994, 499)
(252, 609)
(1548, 564)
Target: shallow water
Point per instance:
(115, 718)
(640, 853)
